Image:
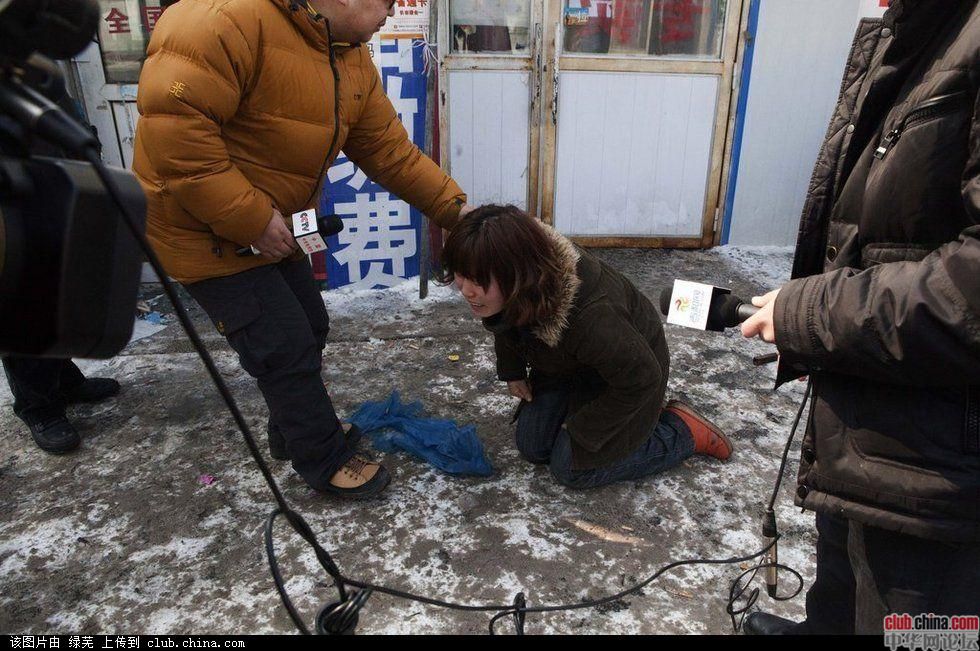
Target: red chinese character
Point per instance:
(118, 22)
(150, 17)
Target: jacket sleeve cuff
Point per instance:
(448, 214)
(247, 224)
(794, 319)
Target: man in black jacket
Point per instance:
(883, 314)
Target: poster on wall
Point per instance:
(379, 245)
(411, 19)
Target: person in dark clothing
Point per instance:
(883, 314)
(593, 402)
(42, 389)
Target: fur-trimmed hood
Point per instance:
(550, 330)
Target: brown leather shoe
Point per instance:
(708, 437)
(359, 478)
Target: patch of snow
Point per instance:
(767, 265)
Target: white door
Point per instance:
(489, 98)
(635, 134)
(606, 118)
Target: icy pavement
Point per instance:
(124, 537)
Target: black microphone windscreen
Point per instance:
(43, 75)
(665, 300)
(330, 225)
(59, 29)
(723, 312)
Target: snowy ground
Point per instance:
(123, 537)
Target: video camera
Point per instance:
(69, 270)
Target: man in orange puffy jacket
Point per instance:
(244, 104)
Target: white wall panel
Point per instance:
(100, 113)
(488, 135)
(633, 153)
(126, 117)
(800, 51)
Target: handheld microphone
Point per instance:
(309, 240)
(704, 307)
(772, 556)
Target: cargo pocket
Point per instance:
(244, 331)
(230, 318)
(232, 314)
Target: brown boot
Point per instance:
(708, 438)
(359, 478)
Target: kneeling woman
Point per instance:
(582, 348)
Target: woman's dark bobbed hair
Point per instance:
(506, 244)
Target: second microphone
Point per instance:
(310, 240)
(703, 307)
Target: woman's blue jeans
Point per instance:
(542, 439)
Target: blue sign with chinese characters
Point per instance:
(379, 244)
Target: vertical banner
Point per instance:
(380, 242)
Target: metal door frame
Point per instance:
(544, 66)
(725, 68)
(97, 97)
(454, 62)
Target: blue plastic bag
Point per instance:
(396, 426)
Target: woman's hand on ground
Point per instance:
(520, 389)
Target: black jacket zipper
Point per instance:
(931, 108)
(216, 242)
(971, 426)
(336, 115)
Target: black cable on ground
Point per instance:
(270, 553)
(737, 589)
(504, 611)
